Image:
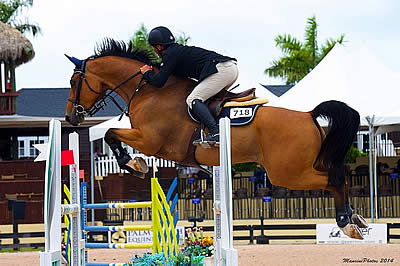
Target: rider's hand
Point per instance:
(145, 68)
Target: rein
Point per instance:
(101, 99)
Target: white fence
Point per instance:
(108, 165)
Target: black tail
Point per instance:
(344, 123)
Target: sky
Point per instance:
(242, 29)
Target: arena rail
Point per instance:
(251, 237)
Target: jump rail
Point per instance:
(163, 226)
(225, 254)
(53, 209)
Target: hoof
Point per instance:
(352, 231)
(359, 220)
(141, 165)
(138, 164)
(133, 172)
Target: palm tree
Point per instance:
(300, 58)
(182, 38)
(139, 39)
(9, 12)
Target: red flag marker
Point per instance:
(82, 174)
(67, 157)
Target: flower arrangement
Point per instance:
(198, 243)
(197, 246)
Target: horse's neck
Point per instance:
(115, 70)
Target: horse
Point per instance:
(290, 145)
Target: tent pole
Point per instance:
(92, 179)
(371, 180)
(375, 177)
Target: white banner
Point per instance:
(140, 237)
(331, 234)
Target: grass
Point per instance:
(20, 250)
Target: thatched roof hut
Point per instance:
(14, 46)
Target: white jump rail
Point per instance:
(225, 254)
(53, 209)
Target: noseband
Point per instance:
(102, 97)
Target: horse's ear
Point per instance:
(75, 61)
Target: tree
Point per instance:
(139, 40)
(10, 10)
(300, 58)
(182, 38)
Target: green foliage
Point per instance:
(10, 11)
(352, 155)
(244, 167)
(139, 40)
(148, 259)
(197, 246)
(185, 258)
(20, 249)
(182, 38)
(300, 58)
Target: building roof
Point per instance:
(278, 90)
(21, 121)
(37, 106)
(51, 102)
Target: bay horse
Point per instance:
(291, 145)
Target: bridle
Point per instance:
(102, 97)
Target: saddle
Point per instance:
(216, 105)
(217, 102)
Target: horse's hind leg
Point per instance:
(344, 213)
(354, 218)
(136, 166)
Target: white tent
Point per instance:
(97, 132)
(246, 83)
(357, 78)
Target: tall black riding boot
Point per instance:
(201, 111)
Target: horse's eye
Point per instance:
(73, 82)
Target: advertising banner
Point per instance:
(331, 234)
(140, 237)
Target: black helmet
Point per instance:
(161, 35)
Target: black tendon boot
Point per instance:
(121, 154)
(200, 110)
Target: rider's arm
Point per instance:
(167, 67)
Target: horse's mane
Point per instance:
(111, 47)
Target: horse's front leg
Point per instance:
(133, 138)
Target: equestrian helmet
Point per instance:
(161, 35)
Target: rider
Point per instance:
(213, 72)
